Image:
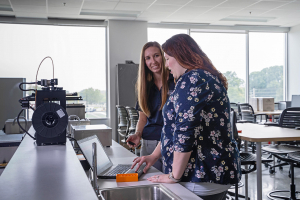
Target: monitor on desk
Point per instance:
(295, 100)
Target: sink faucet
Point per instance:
(94, 178)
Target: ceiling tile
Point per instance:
(99, 5)
(148, 14)
(190, 12)
(31, 15)
(210, 3)
(138, 1)
(65, 3)
(34, 9)
(250, 12)
(238, 3)
(4, 2)
(172, 2)
(28, 2)
(276, 13)
(291, 6)
(63, 10)
(267, 5)
(163, 8)
(132, 6)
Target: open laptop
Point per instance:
(105, 168)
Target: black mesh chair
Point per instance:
(133, 119)
(248, 160)
(247, 113)
(235, 107)
(123, 125)
(291, 159)
(290, 118)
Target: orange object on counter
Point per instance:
(239, 131)
(127, 177)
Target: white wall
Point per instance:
(293, 74)
(125, 41)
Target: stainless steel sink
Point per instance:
(142, 192)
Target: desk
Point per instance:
(274, 112)
(120, 155)
(261, 133)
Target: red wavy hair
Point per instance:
(190, 56)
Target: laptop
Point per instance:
(105, 168)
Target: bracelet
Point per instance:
(173, 179)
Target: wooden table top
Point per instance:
(262, 133)
(274, 112)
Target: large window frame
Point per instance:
(246, 32)
(75, 23)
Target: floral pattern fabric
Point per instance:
(197, 120)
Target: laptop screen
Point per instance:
(295, 100)
(103, 161)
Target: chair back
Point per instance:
(247, 112)
(133, 118)
(233, 120)
(235, 107)
(290, 117)
(123, 119)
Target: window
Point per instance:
(160, 35)
(227, 51)
(78, 53)
(266, 65)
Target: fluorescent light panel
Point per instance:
(6, 8)
(111, 13)
(248, 19)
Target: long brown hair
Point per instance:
(146, 80)
(190, 56)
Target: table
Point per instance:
(119, 155)
(261, 133)
(274, 112)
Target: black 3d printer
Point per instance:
(50, 118)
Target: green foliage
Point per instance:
(93, 96)
(236, 87)
(265, 83)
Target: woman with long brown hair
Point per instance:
(196, 141)
(153, 86)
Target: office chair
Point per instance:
(235, 107)
(247, 158)
(123, 125)
(291, 158)
(247, 113)
(133, 119)
(289, 118)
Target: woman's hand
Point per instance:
(164, 178)
(134, 139)
(149, 160)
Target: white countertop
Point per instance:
(120, 155)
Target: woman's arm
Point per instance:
(180, 162)
(138, 131)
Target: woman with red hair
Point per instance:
(196, 144)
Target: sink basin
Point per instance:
(142, 192)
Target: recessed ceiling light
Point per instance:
(112, 13)
(6, 8)
(248, 19)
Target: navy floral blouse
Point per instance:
(197, 120)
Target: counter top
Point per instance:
(45, 172)
(120, 155)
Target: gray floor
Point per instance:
(278, 181)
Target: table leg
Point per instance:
(246, 175)
(258, 172)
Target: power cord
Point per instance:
(22, 127)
